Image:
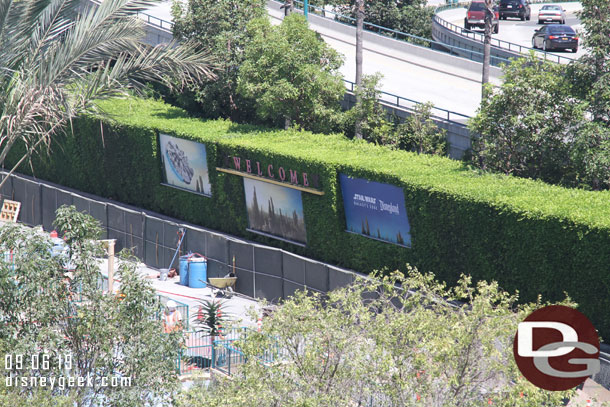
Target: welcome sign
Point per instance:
(272, 173)
(375, 210)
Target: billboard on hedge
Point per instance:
(185, 164)
(275, 210)
(375, 210)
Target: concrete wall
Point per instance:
(157, 35)
(446, 36)
(262, 271)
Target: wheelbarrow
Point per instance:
(224, 285)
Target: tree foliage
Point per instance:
(420, 134)
(529, 124)
(417, 132)
(55, 305)
(58, 57)
(219, 25)
(373, 118)
(591, 74)
(552, 122)
(293, 74)
(408, 16)
(372, 343)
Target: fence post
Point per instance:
(213, 364)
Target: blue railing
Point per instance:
(496, 43)
(409, 104)
(202, 351)
(227, 357)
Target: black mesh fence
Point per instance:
(262, 271)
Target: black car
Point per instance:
(555, 37)
(515, 8)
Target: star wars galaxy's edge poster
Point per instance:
(185, 164)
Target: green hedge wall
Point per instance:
(529, 236)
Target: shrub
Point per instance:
(528, 235)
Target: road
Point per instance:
(521, 32)
(406, 74)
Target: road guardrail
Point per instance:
(408, 104)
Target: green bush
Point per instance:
(528, 235)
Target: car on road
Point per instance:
(551, 13)
(515, 8)
(475, 17)
(557, 37)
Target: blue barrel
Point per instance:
(198, 272)
(184, 270)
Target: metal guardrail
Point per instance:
(202, 351)
(397, 35)
(497, 43)
(408, 104)
(152, 20)
(226, 357)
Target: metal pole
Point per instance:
(111, 243)
(306, 8)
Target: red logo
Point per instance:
(556, 348)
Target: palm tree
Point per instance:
(57, 57)
(489, 14)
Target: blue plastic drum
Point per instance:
(198, 272)
(184, 270)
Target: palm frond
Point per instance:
(58, 57)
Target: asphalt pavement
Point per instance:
(520, 32)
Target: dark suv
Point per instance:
(515, 8)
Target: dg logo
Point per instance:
(556, 348)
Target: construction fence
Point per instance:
(262, 271)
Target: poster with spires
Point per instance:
(185, 164)
(275, 210)
(375, 210)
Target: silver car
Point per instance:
(551, 13)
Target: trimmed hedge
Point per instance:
(529, 236)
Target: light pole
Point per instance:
(306, 8)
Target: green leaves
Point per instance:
(292, 74)
(58, 57)
(408, 16)
(47, 308)
(393, 340)
(463, 220)
(213, 316)
(528, 125)
(220, 26)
